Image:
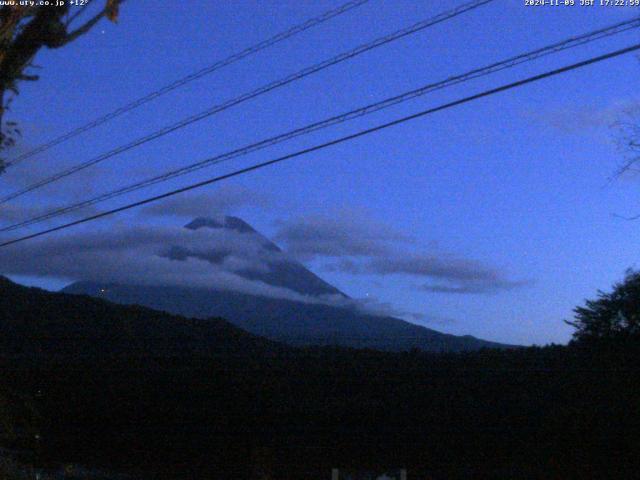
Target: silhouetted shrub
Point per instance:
(612, 316)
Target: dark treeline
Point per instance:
(265, 411)
(554, 412)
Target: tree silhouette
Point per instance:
(24, 30)
(612, 315)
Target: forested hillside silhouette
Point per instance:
(260, 410)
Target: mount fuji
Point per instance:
(316, 312)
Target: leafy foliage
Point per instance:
(613, 315)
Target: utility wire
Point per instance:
(194, 76)
(337, 141)
(571, 42)
(255, 93)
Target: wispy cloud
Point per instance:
(358, 246)
(345, 234)
(142, 256)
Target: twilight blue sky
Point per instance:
(516, 184)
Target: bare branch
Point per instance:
(630, 219)
(107, 11)
(24, 31)
(30, 78)
(70, 37)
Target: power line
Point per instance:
(571, 42)
(337, 141)
(194, 76)
(255, 93)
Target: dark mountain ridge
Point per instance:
(287, 321)
(34, 321)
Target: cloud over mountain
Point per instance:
(354, 245)
(225, 253)
(143, 255)
(342, 235)
(221, 266)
